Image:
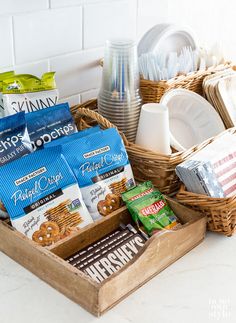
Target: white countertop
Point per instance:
(198, 288)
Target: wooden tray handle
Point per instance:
(103, 122)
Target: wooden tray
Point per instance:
(158, 253)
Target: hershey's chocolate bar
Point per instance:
(101, 244)
(73, 258)
(113, 260)
(115, 241)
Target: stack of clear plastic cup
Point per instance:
(119, 98)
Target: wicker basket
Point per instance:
(152, 91)
(221, 212)
(146, 164)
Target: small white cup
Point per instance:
(153, 129)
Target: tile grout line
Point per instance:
(13, 41)
(83, 20)
(62, 55)
(137, 15)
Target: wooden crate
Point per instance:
(49, 264)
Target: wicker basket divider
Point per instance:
(146, 164)
(152, 91)
(221, 212)
(85, 117)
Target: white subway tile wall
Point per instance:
(77, 72)
(108, 20)
(88, 95)
(35, 68)
(72, 100)
(47, 33)
(6, 38)
(17, 6)
(68, 35)
(150, 13)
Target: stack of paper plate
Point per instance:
(166, 38)
(192, 118)
(220, 91)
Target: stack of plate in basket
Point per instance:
(119, 100)
(192, 118)
(220, 91)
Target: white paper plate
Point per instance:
(148, 38)
(166, 38)
(192, 118)
(227, 91)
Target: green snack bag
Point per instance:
(153, 212)
(25, 92)
(2, 77)
(138, 191)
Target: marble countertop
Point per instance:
(198, 288)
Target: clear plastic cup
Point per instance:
(119, 98)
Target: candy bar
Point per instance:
(109, 263)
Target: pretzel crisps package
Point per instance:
(42, 196)
(14, 138)
(50, 124)
(14, 143)
(101, 165)
(25, 92)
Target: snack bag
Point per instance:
(101, 166)
(153, 212)
(14, 143)
(42, 196)
(74, 136)
(25, 92)
(138, 191)
(50, 124)
(2, 77)
(14, 138)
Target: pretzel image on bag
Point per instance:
(42, 196)
(101, 165)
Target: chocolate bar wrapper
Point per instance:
(73, 258)
(104, 249)
(115, 259)
(119, 236)
(100, 247)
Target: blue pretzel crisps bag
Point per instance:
(50, 124)
(101, 165)
(14, 143)
(42, 196)
(14, 138)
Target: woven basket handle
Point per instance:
(103, 122)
